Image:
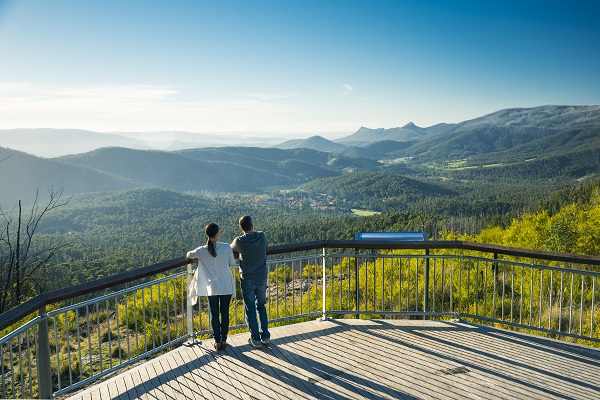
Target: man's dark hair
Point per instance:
(246, 223)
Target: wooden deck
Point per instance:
(377, 359)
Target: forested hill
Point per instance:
(372, 189)
(224, 169)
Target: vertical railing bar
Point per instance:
(329, 282)
(443, 273)
(175, 308)
(485, 287)
(551, 291)
(477, 289)
(107, 306)
(57, 352)
(332, 283)
(417, 284)
(301, 282)
(294, 288)
(277, 291)
(79, 344)
(268, 305)
(560, 303)
(581, 301)
(309, 286)
(571, 303)
(21, 365)
(285, 289)
(4, 396)
(503, 288)
(29, 359)
(426, 284)
(324, 285)
(374, 284)
(160, 316)
(183, 303)
(383, 284)
(144, 324)
(434, 285)
(12, 362)
(348, 297)
(167, 311)
(393, 282)
(99, 339)
(451, 288)
(135, 324)
(531, 296)
(460, 268)
(127, 324)
(400, 263)
(593, 305)
(512, 297)
(118, 322)
(541, 290)
(89, 336)
(66, 313)
(521, 294)
(495, 288)
(408, 285)
(341, 285)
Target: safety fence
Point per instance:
(75, 336)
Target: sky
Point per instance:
(288, 67)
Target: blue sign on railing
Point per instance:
(391, 236)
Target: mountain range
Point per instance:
(549, 142)
(46, 142)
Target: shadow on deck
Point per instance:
(374, 359)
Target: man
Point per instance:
(252, 249)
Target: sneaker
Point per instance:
(253, 342)
(265, 341)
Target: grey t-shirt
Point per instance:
(252, 248)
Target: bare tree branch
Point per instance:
(20, 264)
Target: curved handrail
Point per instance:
(39, 301)
(44, 299)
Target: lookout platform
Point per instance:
(371, 359)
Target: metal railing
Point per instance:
(63, 347)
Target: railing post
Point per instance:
(43, 357)
(324, 282)
(190, 316)
(426, 284)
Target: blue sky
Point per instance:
(289, 67)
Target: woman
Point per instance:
(214, 279)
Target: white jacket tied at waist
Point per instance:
(213, 276)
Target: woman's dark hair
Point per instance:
(211, 231)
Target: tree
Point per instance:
(21, 260)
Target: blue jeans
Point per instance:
(255, 298)
(219, 305)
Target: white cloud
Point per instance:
(346, 88)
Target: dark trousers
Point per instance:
(219, 305)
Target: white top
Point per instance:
(213, 276)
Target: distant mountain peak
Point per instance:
(410, 125)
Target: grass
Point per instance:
(364, 213)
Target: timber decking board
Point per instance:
(375, 359)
